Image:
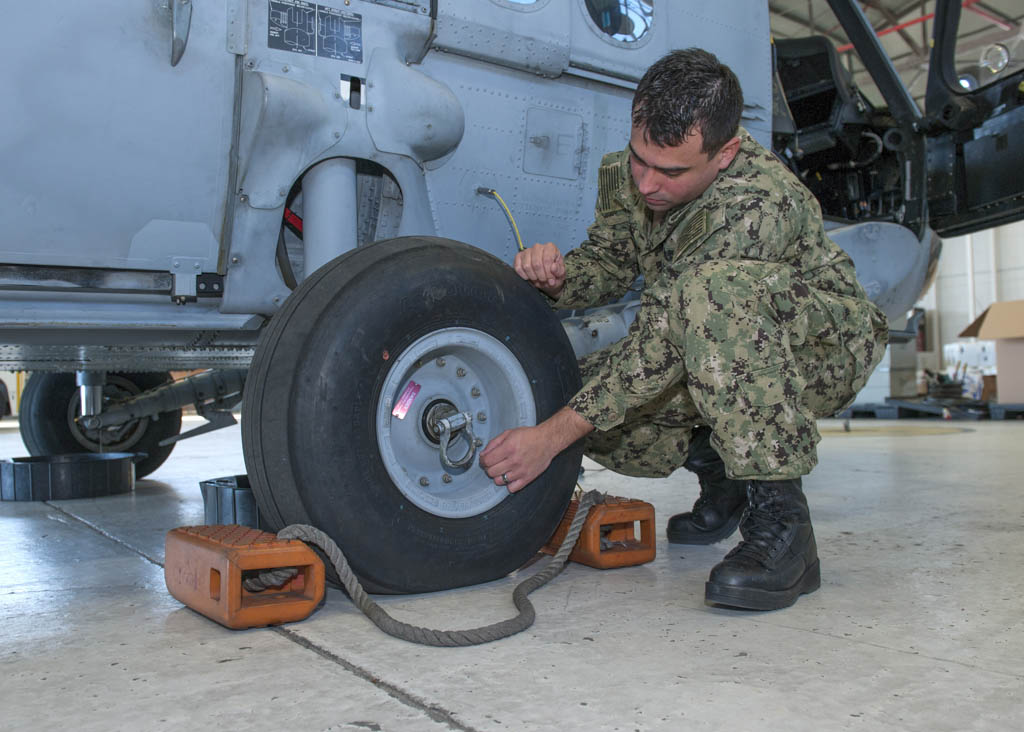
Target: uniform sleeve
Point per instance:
(603, 267)
(825, 265)
(636, 369)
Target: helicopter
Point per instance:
(314, 205)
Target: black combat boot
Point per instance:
(717, 511)
(777, 561)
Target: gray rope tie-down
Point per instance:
(264, 579)
(427, 636)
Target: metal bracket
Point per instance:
(184, 271)
(216, 412)
(215, 419)
(209, 284)
(238, 26)
(213, 393)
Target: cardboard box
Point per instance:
(1003, 322)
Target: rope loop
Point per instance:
(430, 637)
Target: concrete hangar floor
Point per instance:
(917, 625)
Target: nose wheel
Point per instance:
(51, 405)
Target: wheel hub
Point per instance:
(118, 438)
(474, 383)
(436, 411)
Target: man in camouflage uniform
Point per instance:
(751, 325)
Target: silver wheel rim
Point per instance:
(472, 371)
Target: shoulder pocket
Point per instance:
(696, 229)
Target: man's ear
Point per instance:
(728, 152)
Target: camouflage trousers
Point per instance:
(765, 355)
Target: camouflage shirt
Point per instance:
(756, 209)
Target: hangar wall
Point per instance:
(974, 271)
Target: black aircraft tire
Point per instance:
(322, 448)
(50, 400)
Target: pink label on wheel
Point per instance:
(405, 401)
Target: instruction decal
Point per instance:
(405, 401)
(315, 30)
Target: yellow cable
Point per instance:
(511, 218)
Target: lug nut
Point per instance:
(440, 363)
(446, 478)
(481, 416)
(424, 481)
(474, 391)
(460, 371)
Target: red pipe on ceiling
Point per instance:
(921, 19)
(998, 22)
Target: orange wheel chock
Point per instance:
(608, 537)
(204, 567)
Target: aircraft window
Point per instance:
(995, 61)
(623, 20)
(977, 65)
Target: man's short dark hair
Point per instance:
(688, 90)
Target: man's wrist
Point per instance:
(553, 298)
(553, 293)
(565, 427)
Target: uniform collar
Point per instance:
(641, 215)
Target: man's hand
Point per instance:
(523, 453)
(543, 267)
(519, 454)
